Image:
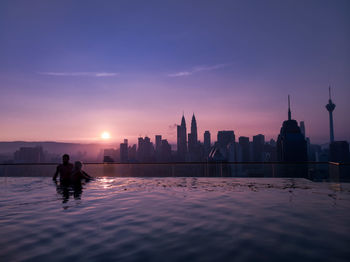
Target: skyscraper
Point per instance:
(165, 151)
(207, 143)
(302, 128)
(158, 142)
(225, 138)
(339, 151)
(244, 148)
(330, 108)
(258, 148)
(291, 144)
(194, 133)
(193, 136)
(124, 152)
(145, 150)
(182, 140)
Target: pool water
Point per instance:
(174, 219)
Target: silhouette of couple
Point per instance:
(70, 174)
(70, 179)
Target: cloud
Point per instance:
(90, 74)
(198, 69)
(180, 74)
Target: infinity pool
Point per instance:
(174, 219)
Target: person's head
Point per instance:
(65, 159)
(78, 165)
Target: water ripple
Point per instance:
(174, 219)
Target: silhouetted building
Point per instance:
(258, 148)
(339, 151)
(145, 150)
(124, 152)
(272, 142)
(225, 138)
(291, 147)
(270, 152)
(165, 151)
(158, 142)
(291, 144)
(158, 153)
(244, 148)
(182, 140)
(109, 155)
(193, 137)
(315, 152)
(303, 131)
(207, 143)
(330, 108)
(195, 150)
(132, 153)
(302, 128)
(224, 149)
(108, 159)
(29, 155)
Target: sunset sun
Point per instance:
(105, 135)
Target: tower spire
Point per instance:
(330, 108)
(289, 113)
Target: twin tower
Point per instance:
(182, 148)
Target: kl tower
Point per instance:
(330, 108)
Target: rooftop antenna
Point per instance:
(329, 89)
(289, 113)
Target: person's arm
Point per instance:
(56, 173)
(86, 175)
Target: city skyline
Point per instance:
(107, 137)
(71, 71)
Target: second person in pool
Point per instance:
(78, 174)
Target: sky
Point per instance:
(70, 70)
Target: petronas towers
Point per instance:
(187, 147)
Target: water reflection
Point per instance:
(67, 190)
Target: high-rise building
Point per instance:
(291, 144)
(207, 143)
(182, 140)
(145, 150)
(302, 128)
(193, 138)
(224, 149)
(194, 133)
(165, 151)
(339, 151)
(330, 108)
(132, 153)
(124, 158)
(258, 148)
(158, 142)
(225, 138)
(158, 148)
(244, 148)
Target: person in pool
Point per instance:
(78, 174)
(64, 170)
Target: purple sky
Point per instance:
(70, 70)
